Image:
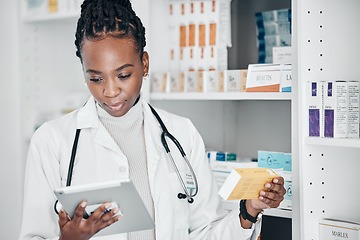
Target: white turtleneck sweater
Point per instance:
(128, 133)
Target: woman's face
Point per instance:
(113, 72)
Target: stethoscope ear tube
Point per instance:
(72, 159)
(71, 165)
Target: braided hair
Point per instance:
(102, 18)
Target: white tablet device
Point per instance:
(121, 194)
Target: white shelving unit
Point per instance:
(325, 171)
(41, 13)
(276, 212)
(221, 96)
(344, 143)
(51, 17)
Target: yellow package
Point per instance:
(246, 183)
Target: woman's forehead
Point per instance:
(109, 52)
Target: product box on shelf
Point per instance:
(340, 91)
(340, 109)
(36, 8)
(314, 103)
(282, 55)
(287, 202)
(328, 111)
(159, 82)
(286, 78)
(48, 7)
(334, 229)
(191, 81)
(273, 29)
(221, 156)
(211, 81)
(275, 160)
(280, 15)
(202, 30)
(200, 80)
(176, 81)
(263, 78)
(232, 80)
(353, 109)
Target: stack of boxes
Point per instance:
(45, 7)
(273, 30)
(333, 108)
(200, 33)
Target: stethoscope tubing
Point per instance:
(164, 134)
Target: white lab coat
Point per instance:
(99, 159)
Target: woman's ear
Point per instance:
(145, 62)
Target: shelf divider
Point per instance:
(222, 96)
(334, 142)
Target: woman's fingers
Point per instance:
(103, 216)
(63, 218)
(79, 212)
(80, 228)
(108, 218)
(274, 194)
(99, 212)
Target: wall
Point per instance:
(11, 171)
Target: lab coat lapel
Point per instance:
(88, 118)
(104, 139)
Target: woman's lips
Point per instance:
(115, 106)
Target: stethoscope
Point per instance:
(190, 188)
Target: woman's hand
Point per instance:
(82, 229)
(267, 199)
(271, 198)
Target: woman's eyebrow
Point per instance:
(93, 71)
(116, 70)
(124, 66)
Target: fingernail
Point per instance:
(107, 205)
(116, 210)
(268, 185)
(276, 180)
(83, 204)
(62, 210)
(262, 193)
(261, 198)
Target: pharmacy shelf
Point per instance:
(278, 212)
(51, 16)
(333, 142)
(222, 96)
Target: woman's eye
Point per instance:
(95, 79)
(124, 76)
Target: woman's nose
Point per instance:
(111, 89)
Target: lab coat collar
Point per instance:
(87, 116)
